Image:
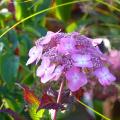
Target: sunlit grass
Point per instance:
(96, 112)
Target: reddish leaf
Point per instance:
(55, 106)
(47, 99)
(78, 94)
(30, 97)
(49, 102)
(46, 102)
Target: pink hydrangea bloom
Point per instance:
(66, 56)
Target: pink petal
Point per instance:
(97, 41)
(30, 60)
(40, 71)
(75, 79)
(50, 69)
(107, 79)
(100, 72)
(45, 62)
(104, 76)
(32, 50)
(82, 60)
(40, 49)
(66, 45)
(58, 72)
(48, 37)
(44, 65)
(46, 78)
(34, 54)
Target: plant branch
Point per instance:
(59, 98)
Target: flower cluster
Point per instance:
(72, 56)
(114, 59)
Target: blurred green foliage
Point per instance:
(91, 18)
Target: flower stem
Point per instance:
(59, 98)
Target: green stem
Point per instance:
(92, 110)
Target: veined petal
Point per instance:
(75, 79)
(66, 45)
(30, 60)
(45, 62)
(104, 76)
(45, 78)
(40, 71)
(40, 50)
(32, 51)
(82, 60)
(34, 54)
(58, 71)
(101, 72)
(50, 69)
(48, 37)
(42, 68)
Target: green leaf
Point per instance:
(28, 79)
(98, 107)
(81, 23)
(22, 9)
(63, 13)
(35, 115)
(9, 64)
(32, 30)
(12, 37)
(71, 27)
(25, 44)
(12, 104)
(39, 6)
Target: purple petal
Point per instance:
(46, 77)
(32, 50)
(40, 71)
(96, 41)
(104, 76)
(50, 69)
(48, 37)
(66, 45)
(40, 49)
(44, 65)
(45, 62)
(30, 60)
(75, 79)
(82, 60)
(58, 72)
(34, 54)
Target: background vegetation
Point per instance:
(94, 18)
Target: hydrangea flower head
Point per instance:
(67, 56)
